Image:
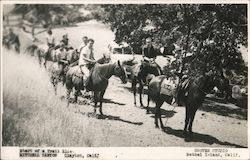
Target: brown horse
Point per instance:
(98, 80)
(139, 73)
(58, 70)
(161, 89)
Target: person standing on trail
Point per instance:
(85, 42)
(86, 58)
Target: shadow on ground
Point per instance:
(109, 117)
(223, 109)
(198, 137)
(164, 113)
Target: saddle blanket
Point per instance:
(168, 87)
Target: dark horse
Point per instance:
(139, 73)
(98, 80)
(191, 92)
(13, 44)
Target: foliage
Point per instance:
(211, 33)
(37, 13)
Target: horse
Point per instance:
(39, 51)
(13, 44)
(161, 89)
(192, 93)
(54, 55)
(139, 72)
(223, 85)
(98, 80)
(58, 70)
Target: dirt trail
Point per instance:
(124, 124)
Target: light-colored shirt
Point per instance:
(87, 53)
(51, 39)
(81, 47)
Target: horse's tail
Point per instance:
(31, 49)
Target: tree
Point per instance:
(41, 14)
(212, 33)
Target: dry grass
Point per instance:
(33, 115)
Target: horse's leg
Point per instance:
(77, 92)
(140, 92)
(55, 85)
(95, 100)
(186, 119)
(134, 89)
(192, 115)
(159, 106)
(68, 95)
(39, 58)
(101, 98)
(45, 58)
(148, 104)
(156, 116)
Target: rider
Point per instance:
(65, 41)
(149, 54)
(85, 59)
(85, 42)
(51, 40)
(11, 39)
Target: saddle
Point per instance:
(77, 72)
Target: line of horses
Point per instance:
(190, 92)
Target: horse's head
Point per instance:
(213, 79)
(120, 72)
(222, 84)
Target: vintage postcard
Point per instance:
(124, 80)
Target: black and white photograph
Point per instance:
(136, 75)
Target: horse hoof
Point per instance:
(162, 128)
(156, 126)
(147, 112)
